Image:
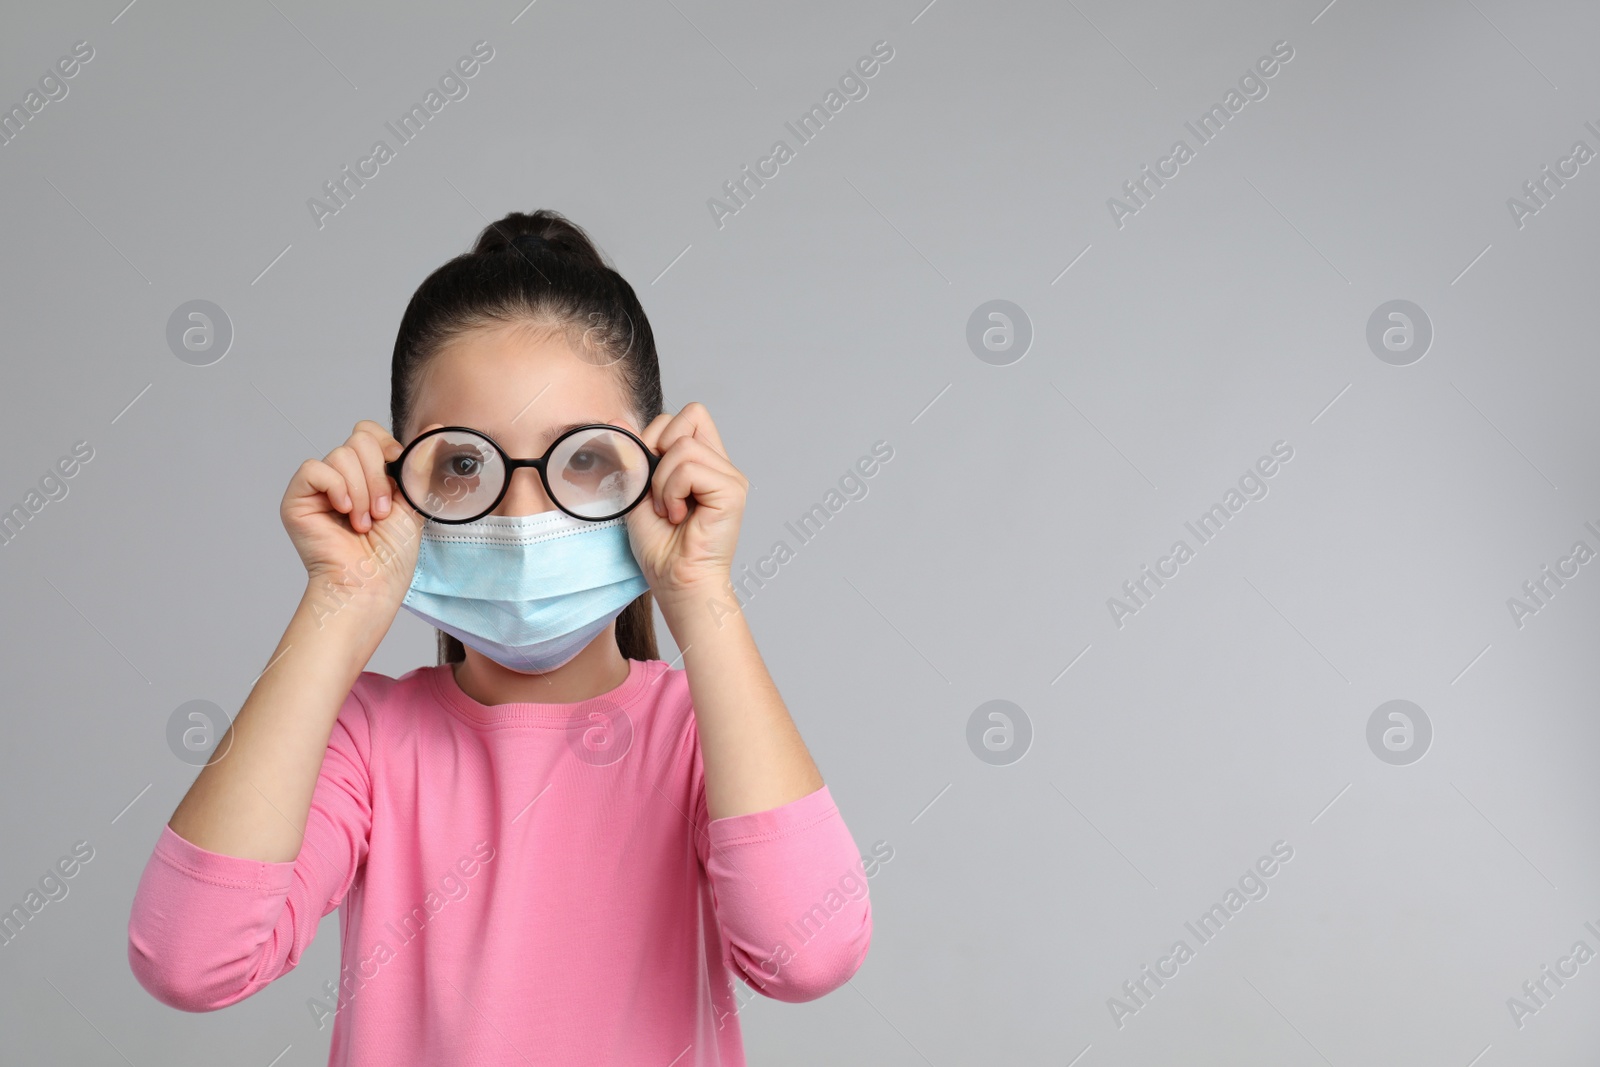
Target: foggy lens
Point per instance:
(453, 475)
(596, 474)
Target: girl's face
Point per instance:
(521, 391)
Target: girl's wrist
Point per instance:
(692, 608)
(362, 616)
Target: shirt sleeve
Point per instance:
(790, 895)
(208, 930)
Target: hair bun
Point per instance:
(529, 242)
(542, 230)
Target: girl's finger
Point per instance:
(316, 478)
(705, 429)
(711, 488)
(670, 460)
(693, 421)
(689, 448)
(345, 460)
(391, 447)
(371, 455)
(652, 433)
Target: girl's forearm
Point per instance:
(754, 756)
(253, 799)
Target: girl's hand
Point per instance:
(686, 549)
(349, 523)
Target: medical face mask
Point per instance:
(528, 591)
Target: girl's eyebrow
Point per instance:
(544, 436)
(556, 431)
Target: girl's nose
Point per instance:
(525, 494)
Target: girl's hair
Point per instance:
(560, 287)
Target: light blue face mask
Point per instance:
(528, 591)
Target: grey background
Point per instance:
(829, 313)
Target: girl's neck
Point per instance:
(599, 668)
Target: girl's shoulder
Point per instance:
(380, 711)
(373, 691)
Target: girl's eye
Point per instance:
(587, 461)
(463, 465)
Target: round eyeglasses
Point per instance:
(455, 474)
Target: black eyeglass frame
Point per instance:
(396, 466)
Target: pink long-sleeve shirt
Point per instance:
(518, 884)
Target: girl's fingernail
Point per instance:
(382, 507)
(659, 509)
(363, 519)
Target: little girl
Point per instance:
(552, 847)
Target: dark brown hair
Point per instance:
(561, 286)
